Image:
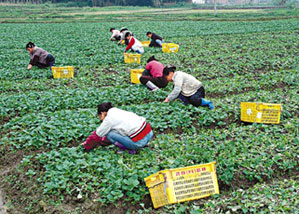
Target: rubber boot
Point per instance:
(123, 148)
(151, 86)
(208, 103)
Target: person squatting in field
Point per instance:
(39, 57)
(156, 40)
(152, 76)
(115, 35)
(186, 87)
(124, 129)
(123, 32)
(134, 44)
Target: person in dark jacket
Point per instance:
(156, 40)
(39, 57)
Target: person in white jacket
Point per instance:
(124, 129)
(134, 44)
(186, 87)
(115, 34)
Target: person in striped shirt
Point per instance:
(124, 129)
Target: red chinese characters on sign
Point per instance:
(190, 171)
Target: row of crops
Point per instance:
(44, 120)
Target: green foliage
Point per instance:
(276, 197)
(241, 152)
(46, 119)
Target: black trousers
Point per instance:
(50, 61)
(194, 99)
(161, 82)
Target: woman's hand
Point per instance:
(166, 100)
(29, 67)
(83, 143)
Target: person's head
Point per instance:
(30, 46)
(128, 35)
(103, 109)
(123, 29)
(149, 34)
(112, 29)
(168, 72)
(152, 58)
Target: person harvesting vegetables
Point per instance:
(39, 57)
(134, 44)
(152, 76)
(123, 32)
(156, 41)
(115, 34)
(186, 87)
(124, 129)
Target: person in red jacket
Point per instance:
(152, 76)
(134, 44)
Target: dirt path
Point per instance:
(125, 11)
(2, 206)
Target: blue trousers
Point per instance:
(126, 141)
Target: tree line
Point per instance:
(102, 3)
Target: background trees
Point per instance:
(102, 3)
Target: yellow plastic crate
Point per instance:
(132, 58)
(182, 184)
(63, 72)
(170, 47)
(261, 112)
(135, 75)
(145, 43)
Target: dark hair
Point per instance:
(148, 33)
(30, 45)
(104, 107)
(111, 29)
(128, 34)
(152, 58)
(168, 69)
(123, 29)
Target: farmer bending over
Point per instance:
(152, 76)
(39, 57)
(186, 87)
(115, 35)
(124, 129)
(134, 44)
(156, 40)
(123, 32)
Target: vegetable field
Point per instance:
(43, 120)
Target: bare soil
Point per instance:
(2, 205)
